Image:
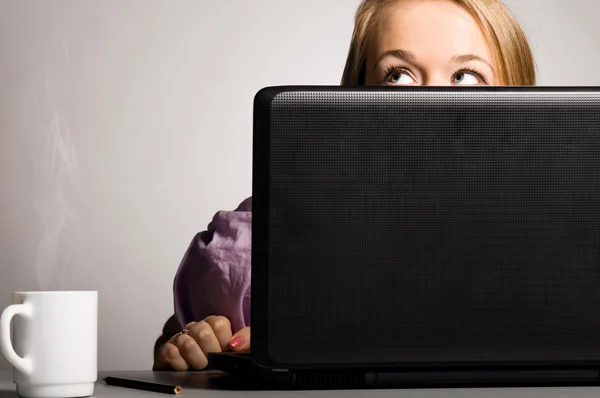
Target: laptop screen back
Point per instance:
(426, 226)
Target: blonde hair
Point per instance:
(511, 53)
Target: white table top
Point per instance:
(198, 384)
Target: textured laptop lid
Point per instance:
(419, 226)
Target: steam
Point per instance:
(57, 193)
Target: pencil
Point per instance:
(142, 385)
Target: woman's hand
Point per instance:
(189, 348)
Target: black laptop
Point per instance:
(424, 236)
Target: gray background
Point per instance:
(124, 125)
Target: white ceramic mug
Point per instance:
(54, 348)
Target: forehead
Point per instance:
(431, 29)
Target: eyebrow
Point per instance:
(409, 56)
(470, 57)
(401, 54)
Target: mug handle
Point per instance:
(23, 365)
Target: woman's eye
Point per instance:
(400, 78)
(465, 78)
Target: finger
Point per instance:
(240, 341)
(189, 325)
(204, 335)
(169, 355)
(222, 328)
(190, 350)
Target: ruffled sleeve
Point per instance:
(214, 275)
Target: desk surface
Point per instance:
(200, 384)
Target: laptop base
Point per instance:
(243, 368)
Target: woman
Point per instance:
(395, 42)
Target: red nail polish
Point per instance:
(236, 342)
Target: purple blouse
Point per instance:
(214, 275)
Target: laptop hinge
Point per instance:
(280, 370)
(486, 377)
